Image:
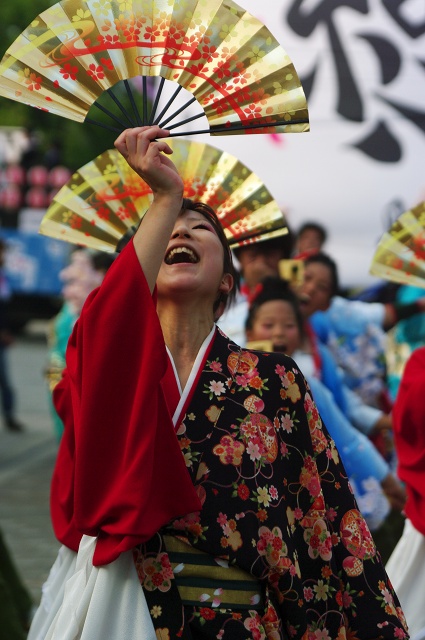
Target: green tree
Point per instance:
(80, 143)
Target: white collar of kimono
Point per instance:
(193, 373)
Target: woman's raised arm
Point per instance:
(146, 152)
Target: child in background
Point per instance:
(275, 316)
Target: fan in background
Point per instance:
(77, 50)
(105, 198)
(400, 254)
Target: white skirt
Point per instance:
(406, 570)
(83, 602)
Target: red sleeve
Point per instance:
(62, 486)
(409, 435)
(120, 474)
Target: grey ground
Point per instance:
(26, 464)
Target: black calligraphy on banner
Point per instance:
(381, 143)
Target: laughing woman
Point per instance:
(195, 477)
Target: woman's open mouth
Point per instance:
(179, 255)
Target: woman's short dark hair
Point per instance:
(325, 260)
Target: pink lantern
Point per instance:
(14, 174)
(36, 198)
(37, 176)
(10, 197)
(58, 176)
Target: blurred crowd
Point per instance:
(363, 356)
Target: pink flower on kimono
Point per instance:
(229, 451)
(283, 449)
(157, 573)
(255, 450)
(242, 381)
(280, 370)
(287, 423)
(319, 540)
(387, 596)
(272, 546)
(216, 366)
(308, 594)
(273, 493)
(309, 477)
(314, 486)
(399, 633)
(222, 519)
(217, 387)
(331, 514)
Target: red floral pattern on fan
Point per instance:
(107, 197)
(233, 65)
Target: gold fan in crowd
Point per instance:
(105, 198)
(400, 254)
(76, 51)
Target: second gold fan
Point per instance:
(105, 198)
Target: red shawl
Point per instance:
(409, 435)
(120, 474)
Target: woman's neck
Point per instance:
(185, 329)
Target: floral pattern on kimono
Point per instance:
(276, 503)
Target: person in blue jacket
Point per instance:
(275, 316)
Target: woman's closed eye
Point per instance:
(204, 225)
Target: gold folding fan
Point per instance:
(400, 254)
(77, 50)
(105, 198)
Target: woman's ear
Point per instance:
(226, 284)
